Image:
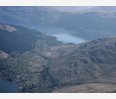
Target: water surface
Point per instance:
(61, 34)
(8, 87)
(67, 38)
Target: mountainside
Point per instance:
(92, 63)
(20, 39)
(92, 60)
(65, 66)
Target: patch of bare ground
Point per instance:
(88, 88)
(3, 55)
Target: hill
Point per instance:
(63, 68)
(20, 39)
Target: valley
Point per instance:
(45, 50)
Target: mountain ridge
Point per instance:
(88, 25)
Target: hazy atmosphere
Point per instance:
(57, 49)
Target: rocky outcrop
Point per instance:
(7, 28)
(3, 55)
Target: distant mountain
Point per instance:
(85, 9)
(71, 9)
(103, 9)
(86, 22)
(28, 16)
